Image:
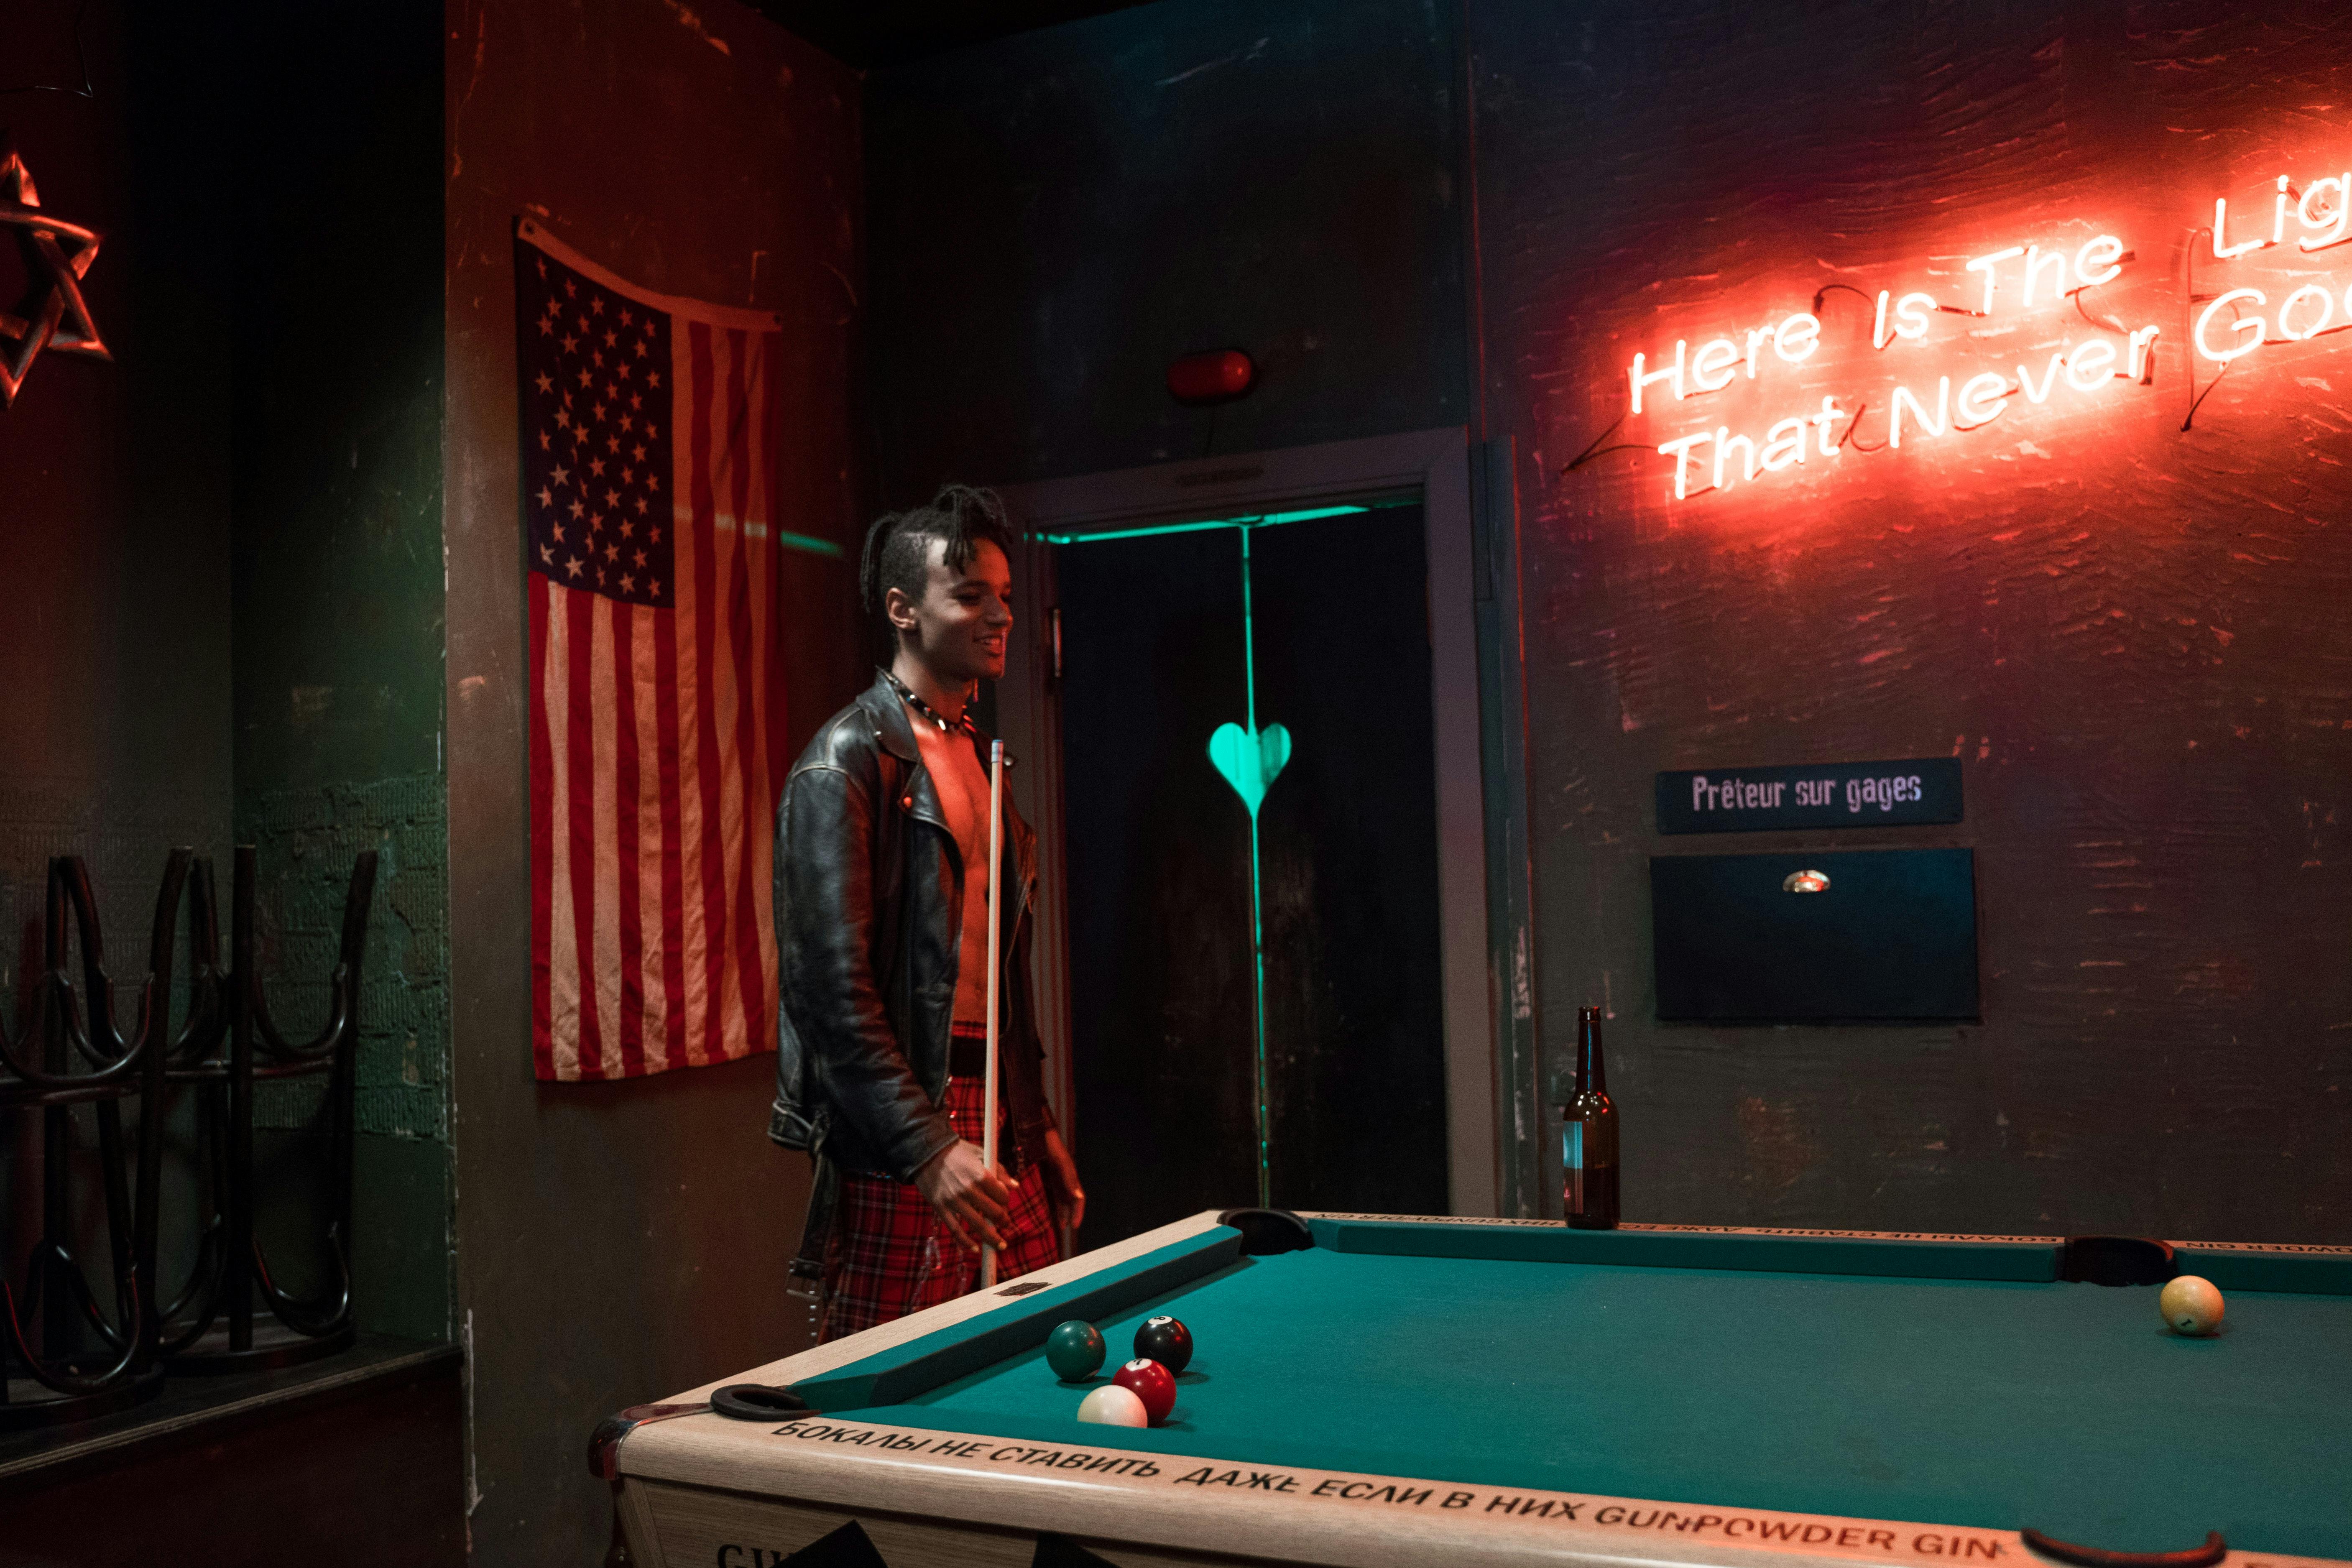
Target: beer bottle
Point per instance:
(1587, 1146)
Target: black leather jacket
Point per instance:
(869, 890)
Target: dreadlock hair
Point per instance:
(898, 546)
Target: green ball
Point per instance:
(1074, 1350)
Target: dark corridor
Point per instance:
(1163, 1035)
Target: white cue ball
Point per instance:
(2191, 1306)
(1111, 1405)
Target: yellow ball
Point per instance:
(2191, 1306)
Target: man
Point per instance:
(882, 933)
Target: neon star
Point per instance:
(62, 320)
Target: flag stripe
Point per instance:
(578, 612)
(746, 943)
(673, 848)
(564, 952)
(604, 794)
(628, 1009)
(543, 849)
(650, 626)
(713, 882)
(768, 604)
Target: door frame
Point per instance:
(1434, 466)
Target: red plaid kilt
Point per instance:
(891, 1255)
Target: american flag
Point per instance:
(650, 495)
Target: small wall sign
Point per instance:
(1816, 795)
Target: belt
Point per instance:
(966, 1057)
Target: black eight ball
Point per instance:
(1165, 1341)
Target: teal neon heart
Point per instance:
(1250, 762)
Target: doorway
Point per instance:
(1262, 948)
(1255, 980)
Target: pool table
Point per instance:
(1373, 1390)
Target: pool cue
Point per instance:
(995, 894)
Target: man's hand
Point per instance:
(1068, 1198)
(972, 1200)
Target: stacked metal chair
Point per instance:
(211, 1324)
(88, 1360)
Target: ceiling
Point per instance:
(879, 33)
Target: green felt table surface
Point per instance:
(1999, 1403)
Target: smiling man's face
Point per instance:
(959, 625)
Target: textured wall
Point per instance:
(1058, 216)
(619, 1242)
(2132, 634)
(337, 585)
(115, 524)
(310, 839)
(114, 502)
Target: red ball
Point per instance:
(1153, 1383)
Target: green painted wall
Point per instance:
(336, 585)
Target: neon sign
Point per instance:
(2011, 280)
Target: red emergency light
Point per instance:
(1218, 376)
